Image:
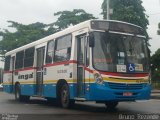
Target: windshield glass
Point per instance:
(119, 53)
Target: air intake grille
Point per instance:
(124, 86)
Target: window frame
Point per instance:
(68, 48)
(19, 61)
(31, 48)
(50, 51)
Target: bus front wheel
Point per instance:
(111, 105)
(66, 102)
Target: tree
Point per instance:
(68, 18)
(155, 60)
(23, 34)
(130, 11)
(155, 67)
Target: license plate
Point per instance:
(127, 94)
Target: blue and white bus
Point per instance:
(96, 60)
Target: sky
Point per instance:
(30, 11)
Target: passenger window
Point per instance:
(63, 48)
(29, 57)
(50, 52)
(19, 60)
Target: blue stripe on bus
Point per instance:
(7, 88)
(28, 89)
(49, 90)
(96, 92)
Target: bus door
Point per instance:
(39, 71)
(81, 63)
(13, 73)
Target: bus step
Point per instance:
(80, 99)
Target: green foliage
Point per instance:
(130, 11)
(67, 18)
(25, 34)
(155, 68)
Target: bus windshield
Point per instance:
(119, 53)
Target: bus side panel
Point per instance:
(87, 85)
(7, 88)
(73, 85)
(54, 73)
(49, 81)
(27, 89)
(26, 79)
(72, 90)
(49, 90)
(7, 84)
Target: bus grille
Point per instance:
(124, 86)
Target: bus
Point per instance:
(96, 60)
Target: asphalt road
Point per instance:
(39, 109)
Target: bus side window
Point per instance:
(19, 60)
(50, 52)
(63, 48)
(29, 57)
(7, 63)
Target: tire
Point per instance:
(17, 92)
(111, 105)
(18, 96)
(65, 97)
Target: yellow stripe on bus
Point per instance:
(106, 79)
(44, 82)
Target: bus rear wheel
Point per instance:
(18, 96)
(111, 105)
(64, 97)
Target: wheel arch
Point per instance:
(59, 84)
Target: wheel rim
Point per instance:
(17, 94)
(65, 96)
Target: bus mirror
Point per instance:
(91, 40)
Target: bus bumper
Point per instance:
(102, 93)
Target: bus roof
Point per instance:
(71, 29)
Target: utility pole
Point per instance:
(1, 78)
(108, 9)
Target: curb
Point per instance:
(155, 97)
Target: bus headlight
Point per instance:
(98, 78)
